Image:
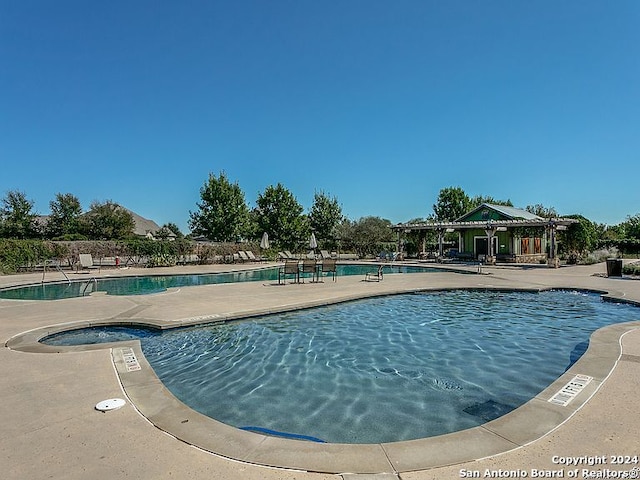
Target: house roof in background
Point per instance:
(142, 225)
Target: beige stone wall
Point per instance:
(531, 258)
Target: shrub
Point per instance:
(17, 254)
(632, 269)
(600, 256)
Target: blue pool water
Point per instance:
(376, 370)
(159, 283)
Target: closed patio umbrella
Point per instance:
(264, 243)
(313, 244)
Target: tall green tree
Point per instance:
(280, 215)
(17, 219)
(324, 217)
(222, 214)
(451, 204)
(107, 221)
(65, 216)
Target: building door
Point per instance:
(481, 246)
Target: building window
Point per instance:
(537, 245)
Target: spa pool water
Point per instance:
(379, 370)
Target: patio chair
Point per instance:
(253, 257)
(329, 266)
(290, 267)
(86, 262)
(374, 276)
(243, 256)
(309, 266)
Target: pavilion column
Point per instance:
(491, 230)
(553, 261)
(491, 259)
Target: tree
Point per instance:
(580, 237)
(631, 227)
(542, 211)
(65, 216)
(416, 239)
(108, 221)
(369, 235)
(324, 217)
(17, 219)
(480, 199)
(170, 228)
(223, 213)
(452, 203)
(280, 215)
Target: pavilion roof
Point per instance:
(455, 225)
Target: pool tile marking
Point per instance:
(571, 390)
(130, 360)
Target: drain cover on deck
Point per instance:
(111, 404)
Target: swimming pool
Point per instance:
(377, 370)
(148, 284)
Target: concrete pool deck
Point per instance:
(51, 429)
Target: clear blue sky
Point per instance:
(378, 103)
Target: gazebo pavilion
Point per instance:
(491, 233)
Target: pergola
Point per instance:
(490, 227)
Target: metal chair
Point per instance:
(329, 266)
(309, 266)
(375, 276)
(290, 267)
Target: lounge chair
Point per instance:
(290, 267)
(329, 266)
(252, 256)
(243, 256)
(86, 262)
(374, 276)
(325, 254)
(309, 266)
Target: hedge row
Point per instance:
(16, 255)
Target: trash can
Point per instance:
(614, 267)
